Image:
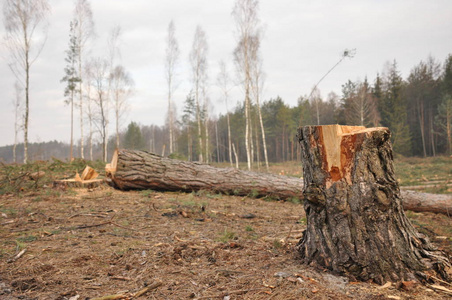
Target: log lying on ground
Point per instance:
(131, 169)
(425, 202)
(355, 222)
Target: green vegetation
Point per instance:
(415, 171)
(226, 236)
(19, 178)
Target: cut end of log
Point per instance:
(110, 169)
(339, 145)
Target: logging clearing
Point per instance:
(96, 242)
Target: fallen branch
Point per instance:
(18, 255)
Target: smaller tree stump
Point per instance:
(356, 225)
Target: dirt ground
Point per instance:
(86, 243)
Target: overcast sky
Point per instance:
(303, 39)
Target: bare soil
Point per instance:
(85, 243)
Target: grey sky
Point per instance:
(303, 40)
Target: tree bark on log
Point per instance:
(355, 222)
(142, 170)
(425, 202)
(132, 169)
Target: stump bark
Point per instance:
(133, 169)
(356, 225)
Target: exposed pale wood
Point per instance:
(89, 174)
(110, 168)
(78, 183)
(355, 222)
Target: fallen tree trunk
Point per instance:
(424, 202)
(132, 169)
(355, 222)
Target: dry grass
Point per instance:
(102, 241)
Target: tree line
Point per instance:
(417, 109)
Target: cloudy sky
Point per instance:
(303, 40)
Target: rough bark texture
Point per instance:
(356, 225)
(131, 169)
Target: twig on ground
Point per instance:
(18, 255)
(237, 292)
(147, 289)
(290, 231)
(130, 296)
(88, 215)
(440, 288)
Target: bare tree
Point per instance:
(84, 32)
(360, 105)
(257, 81)
(316, 99)
(113, 54)
(99, 80)
(21, 19)
(121, 84)
(90, 109)
(247, 21)
(223, 82)
(205, 116)
(172, 57)
(198, 61)
(18, 118)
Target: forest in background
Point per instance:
(417, 109)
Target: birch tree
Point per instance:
(257, 85)
(18, 119)
(84, 32)
(99, 75)
(25, 39)
(122, 85)
(246, 21)
(223, 81)
(113, 54)
(89, 105)
(198, 61)
(171, 59)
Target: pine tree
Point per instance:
(71, 77)
(394, 111)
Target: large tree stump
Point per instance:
(356, 225)
(132, 169)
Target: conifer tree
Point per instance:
(71, 77)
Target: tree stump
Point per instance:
(356, 225)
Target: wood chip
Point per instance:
(385, 286)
